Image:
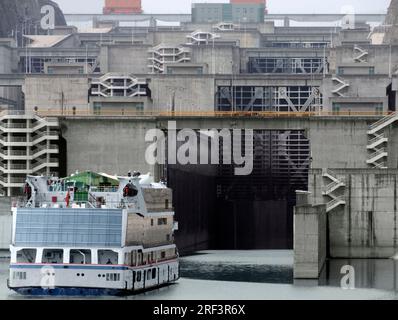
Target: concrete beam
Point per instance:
(12, 80)
(187, 17)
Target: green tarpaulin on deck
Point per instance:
(92, 179)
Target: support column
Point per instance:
(94, 256)
(309, 241)
(66, 256)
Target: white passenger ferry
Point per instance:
(93, 234)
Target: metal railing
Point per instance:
(333, 185)
(334, 202)
(377, 153)
(260, 114)
(381, 121)
(376, 139)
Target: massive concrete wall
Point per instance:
(6, 60)
(366, 226)
(336, 142)
(219, 59)
(172, 38)
(183, 93)
(124, 59)
(54, 93)
(362, 94)
(103, 145)
(377, 57)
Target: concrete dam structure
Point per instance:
(267, 195)
(321, 102)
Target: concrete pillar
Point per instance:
(66, 256)
(286, 22)
(94, 256)
(39, 255)
(309, 241)
(153, 23)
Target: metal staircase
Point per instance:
(342, 85)
(377, 142)
(361, 54)
(331, 189)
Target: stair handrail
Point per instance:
(378, 137)
(333, 184)
(375, 154)
(383, 120)
(335, 201)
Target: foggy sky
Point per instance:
(274, 6)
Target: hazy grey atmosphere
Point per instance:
(274, 6)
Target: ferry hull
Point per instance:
(82, 292)
(25, 279)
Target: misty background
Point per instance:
(274, 6)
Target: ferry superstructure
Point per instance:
(93, 234)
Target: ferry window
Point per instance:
(168, 237)
(53, 256)
(112, 277)
(80, 256)
(163, 255)
(19, 275)
(162, 221)
(153, 273)
(152, 222)
(148, 275)
(139, 276)
(167, 203)
(26, 256)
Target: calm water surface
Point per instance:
(258, 275)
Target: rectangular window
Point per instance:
(336, 108)
(372, 70)
(379, 109)
(112, 277)
(153, 273)
(340, 70)
(19, 275)
(162, 221)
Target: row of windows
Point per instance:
(19, 275)
(64, 239)
(113, 277)
(342, 70)
(161, 222)
(285, 65)
(148, 275)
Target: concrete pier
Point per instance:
(309, 241)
